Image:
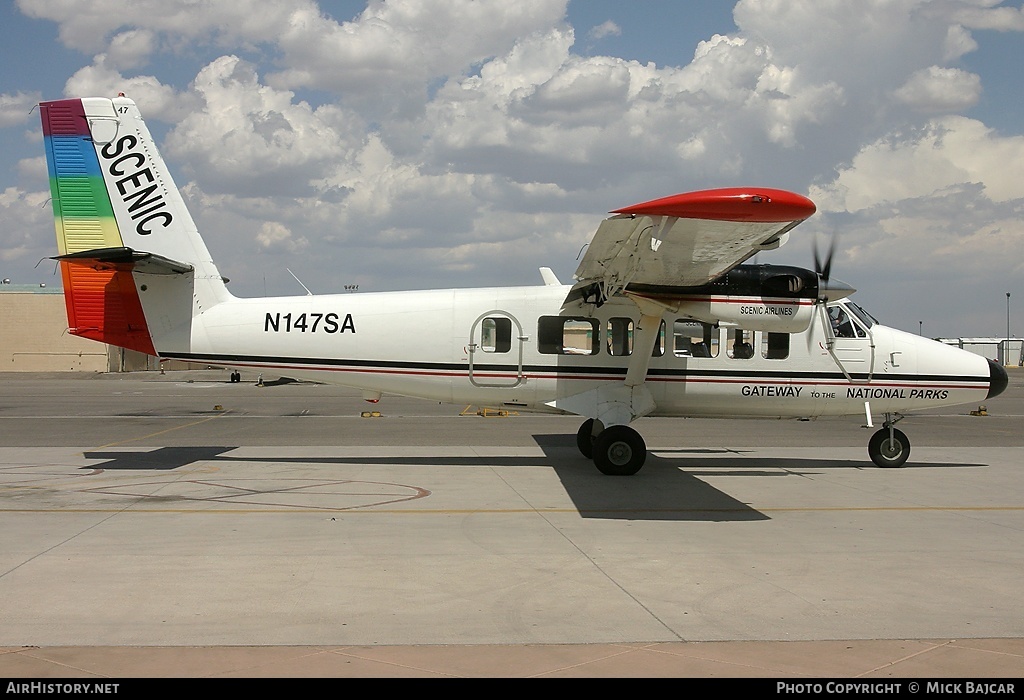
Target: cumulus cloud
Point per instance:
(987, 14)
(934, 89)
(402, 44)
(88, 26)
(605, 29)
(958, 43)
(787, 103)
(274, 235)
(161, 101)
(131, 48)
(947, 153)
(24, 214)
(251, 139)
(33, 170)
(16, 108)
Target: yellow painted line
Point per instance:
(138, 508)
(796, 509)
(159, 432)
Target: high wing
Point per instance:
(685, 240)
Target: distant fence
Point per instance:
(1005, 351)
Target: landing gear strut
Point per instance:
(617, 450)
(889, 447)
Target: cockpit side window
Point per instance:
(844, 323)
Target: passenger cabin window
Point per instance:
(496, 334)
(620, 336)
(775, 346)
(694, 339)
(564, 335)
(741, 345)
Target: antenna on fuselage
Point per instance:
(308, 293)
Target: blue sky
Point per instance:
(388, 146)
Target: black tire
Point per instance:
(619, 451)
(886, 453)
(585, 438)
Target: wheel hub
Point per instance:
(620, 453)
(891, 449)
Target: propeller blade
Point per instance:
(824, 267)
(826, 291)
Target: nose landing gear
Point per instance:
(889, 447)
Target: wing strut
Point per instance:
(621, 404)
(648, 329)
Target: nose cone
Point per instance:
(997, 379)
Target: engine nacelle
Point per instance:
(774, 298)
(772, 314)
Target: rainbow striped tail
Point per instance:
(134, 268)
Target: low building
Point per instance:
(34, 337)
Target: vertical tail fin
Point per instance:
(134, 267)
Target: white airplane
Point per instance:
(661, 320)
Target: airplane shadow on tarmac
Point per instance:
(669, 487)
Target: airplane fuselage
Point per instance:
(515, 348)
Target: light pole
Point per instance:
(1006, 343)
(1007, 315)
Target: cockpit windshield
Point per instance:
(867, 319)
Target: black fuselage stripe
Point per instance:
(560, 371)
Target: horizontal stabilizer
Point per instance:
(126, 259)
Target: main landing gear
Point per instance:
(617, 450)
(889, 447)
